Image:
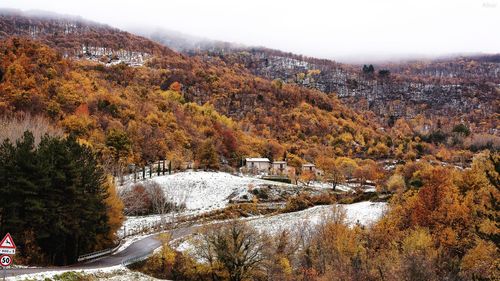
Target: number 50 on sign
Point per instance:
(5, 260)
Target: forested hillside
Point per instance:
(138, 101)
(464, 87)
(172, 104)
(75, 36)
(449, 91)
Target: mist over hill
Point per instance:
(185, 158)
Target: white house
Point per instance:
(258, 164)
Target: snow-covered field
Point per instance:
(206, 191)
(116, 273)
(203, 192)
(363, 213)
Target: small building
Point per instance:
(311, 168)
(308, 167)
(279, 167)
(258, 164)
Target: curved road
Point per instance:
(137, 249)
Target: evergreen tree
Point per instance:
(18, 193)
(57, 191)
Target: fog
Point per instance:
(342, 30)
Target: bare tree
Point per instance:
(159, 201)
(135, 199)
(13, 128)
(237, 248)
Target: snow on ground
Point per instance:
(115, 273)
(186, 246)
(345, 187)
(364, 213)
(326, 185)
(200, 191)
(370, 189)
(206, 191)
(137, 224)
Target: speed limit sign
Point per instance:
(5, 260)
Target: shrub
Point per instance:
(298, 203)
(324, 198)
(72, 276)
(261, 193)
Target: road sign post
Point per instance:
(5, 261)
(7, 247)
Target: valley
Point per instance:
(157, 156)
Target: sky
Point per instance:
(342, 30)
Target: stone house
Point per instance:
(258, 164)
(279, 168)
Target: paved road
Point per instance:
(137, 249)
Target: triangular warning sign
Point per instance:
(7, 242)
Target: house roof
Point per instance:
(257, 160)
(279, 162)
(308, 165)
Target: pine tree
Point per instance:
(18, 194)
(56, 190)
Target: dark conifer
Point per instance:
(55, 190)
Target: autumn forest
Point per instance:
(88, 112)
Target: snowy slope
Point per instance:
(364, 213)
(205, 191)
(115, 273)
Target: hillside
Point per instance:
(448, 91)
(169, 105)
(141, 101)
(459, 90)
(74, 36)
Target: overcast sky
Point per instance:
(331, 29)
